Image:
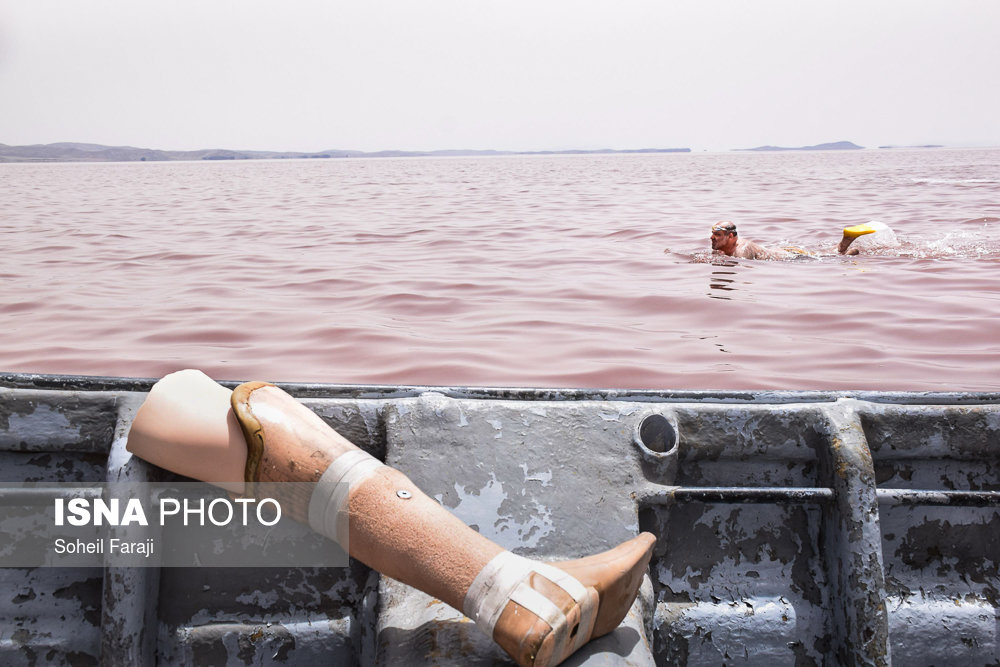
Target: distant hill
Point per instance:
(835, 146)
(921, 146)
(76, 152)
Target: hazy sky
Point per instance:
(384, 74)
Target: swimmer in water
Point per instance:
(857, 239)
(726, 240)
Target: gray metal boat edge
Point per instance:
(854, 528)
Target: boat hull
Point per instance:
(797, 527)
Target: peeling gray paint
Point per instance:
(481, 509)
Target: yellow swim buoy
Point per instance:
(859, 230)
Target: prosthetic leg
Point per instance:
(538, 613)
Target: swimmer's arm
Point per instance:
(844, 247)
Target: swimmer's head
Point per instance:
(724, 237)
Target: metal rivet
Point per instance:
(404, 494)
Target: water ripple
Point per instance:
(590, 271)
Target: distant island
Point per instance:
(76, 152)
(835, 146)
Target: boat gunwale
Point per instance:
(69, 382)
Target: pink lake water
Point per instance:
(544, 271)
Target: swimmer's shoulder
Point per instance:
(754, 250)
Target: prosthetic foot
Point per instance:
(541, 613)
(538, 613)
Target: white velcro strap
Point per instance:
(545, 609)
(328, 511)
(588, 604)
(563, 580)
(491, 589)
(538, 604)
(506, 578)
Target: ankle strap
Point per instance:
(506, 579)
